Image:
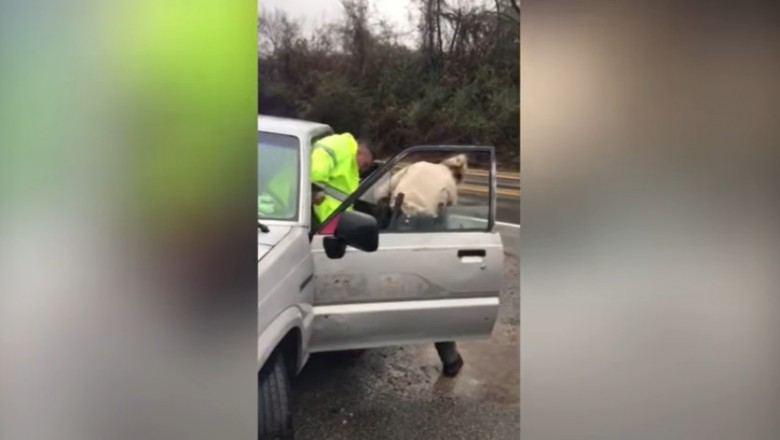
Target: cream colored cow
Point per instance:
(426, 185)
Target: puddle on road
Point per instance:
(491, 372)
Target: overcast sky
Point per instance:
(312, 13)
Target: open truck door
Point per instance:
(420, 285)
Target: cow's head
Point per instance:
(458, 165)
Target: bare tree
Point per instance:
(356, 32)
(275, 32)
(512, 16)
(515, 6)
(460, 82)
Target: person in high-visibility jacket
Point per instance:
(279, 196)
(336, 162)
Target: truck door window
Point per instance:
(278, 176)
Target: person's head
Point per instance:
(365, 157)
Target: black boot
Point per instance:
(453, 368)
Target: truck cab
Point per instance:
(368, 284)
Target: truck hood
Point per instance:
(267, 240)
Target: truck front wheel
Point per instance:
(274, 409)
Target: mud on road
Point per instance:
(399, 394)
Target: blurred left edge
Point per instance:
(127, 241)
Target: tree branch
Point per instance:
(455, 34)
(515, 6)
(507, 16)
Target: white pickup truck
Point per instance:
(367, 285)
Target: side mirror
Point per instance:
(354, 229)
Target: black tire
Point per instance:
(274, 410)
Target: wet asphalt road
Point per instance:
(507, 208)
(398, 393)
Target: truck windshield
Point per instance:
(278, 176)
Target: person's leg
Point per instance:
(450, 358)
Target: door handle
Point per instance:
(471, 255)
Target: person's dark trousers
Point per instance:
(450, 358)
